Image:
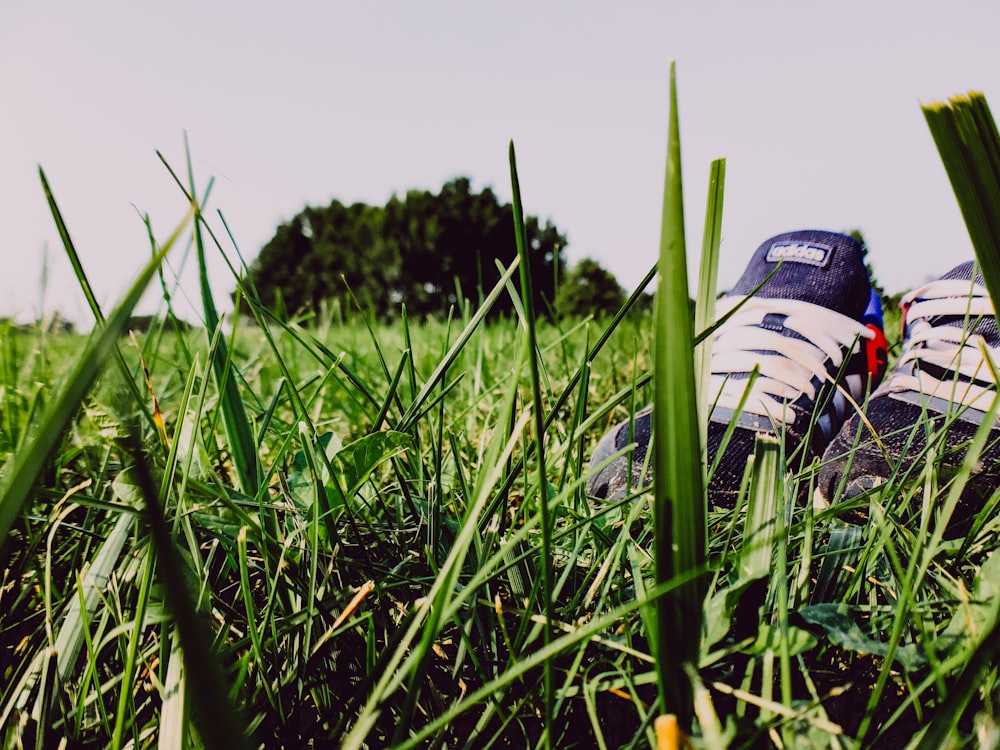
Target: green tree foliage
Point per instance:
(425, 250)
(589, 289)
(889, 301)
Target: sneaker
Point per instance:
(814, 329)
(936, 396)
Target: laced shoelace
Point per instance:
(788, 367)
(951, 350)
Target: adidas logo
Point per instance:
(799, 252)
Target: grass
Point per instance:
(277, 533)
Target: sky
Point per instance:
(815, 107)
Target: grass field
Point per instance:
(422, 498)
(311, 533)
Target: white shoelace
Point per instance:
(948, 347)
(791, 366)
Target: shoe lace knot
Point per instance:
(797, 346)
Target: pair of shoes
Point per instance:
(805, 316)
(811, 323)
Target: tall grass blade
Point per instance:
(527, 298)
(74, 258)
(968, 142)
(217, 720)
(126, 705)
(88, 292)
(173, 716)
(756, 555)
(241, 442)
(967, 139)
(704, 306)
(679, 510)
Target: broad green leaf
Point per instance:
(352, 464)
(774, 637)
(356, 461)
(838, 623)
(740, 601)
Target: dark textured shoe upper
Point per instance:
(936, 395)
(824, 268)
(808, 319)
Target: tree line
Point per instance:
(426, 251)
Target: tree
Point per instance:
(889, 301)
(589, 289)
(422, 251)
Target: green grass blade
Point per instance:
(679, 511)
(967, 139)
(704, 307)
(240, 437)
(173, 718)
(74, 258)
(126, 705)
(88, 292)
(431, 383)
(756, 555)
(217, 719)
(527, 298)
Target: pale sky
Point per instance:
(816, 108)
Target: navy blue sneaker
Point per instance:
(814, 330)
(936, 396)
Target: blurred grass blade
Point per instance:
(216, 719)
(126, 704)
(967, 139)
(173, 720)
(82, 608)
(762, 509)
(679, 512)
(704, 306)
(23, 468)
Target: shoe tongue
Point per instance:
(824, 268)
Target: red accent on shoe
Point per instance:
(877, 349)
